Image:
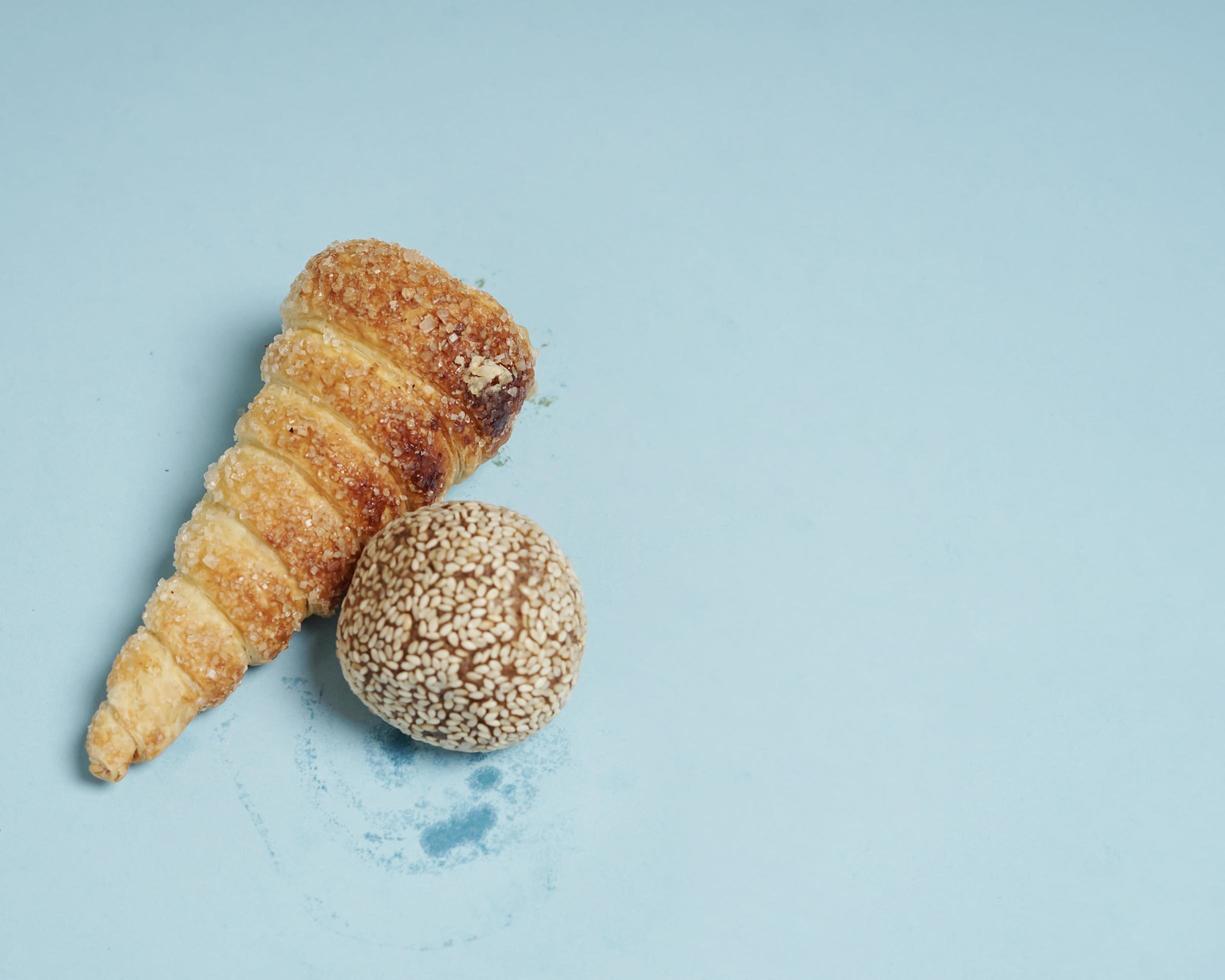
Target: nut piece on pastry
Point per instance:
(390, 381)
(464, 626)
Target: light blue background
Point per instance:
(886, 347)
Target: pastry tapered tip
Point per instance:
(109, 746)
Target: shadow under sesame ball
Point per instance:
(463, 626)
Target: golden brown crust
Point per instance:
(270, 497)
(344, 467)
(204, 644)
(391, 381)
(392, 417)
(455, 337)
(247, 582)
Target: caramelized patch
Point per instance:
(429, 323)
(346, 469)
(392, 418)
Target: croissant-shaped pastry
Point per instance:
(390, 381)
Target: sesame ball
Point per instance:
(463, 626)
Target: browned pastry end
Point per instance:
(390, 381)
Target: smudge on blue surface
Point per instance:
(447, 810)
(257, 821)
(439, 839)
(221, 734)
(308, 765)
(390, 753)
(461, 807)
(484, 778)
(310, 698)
(509, 791)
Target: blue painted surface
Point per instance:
(880, 413)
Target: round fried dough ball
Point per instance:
(463, 627)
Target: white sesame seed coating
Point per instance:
(464, 626)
